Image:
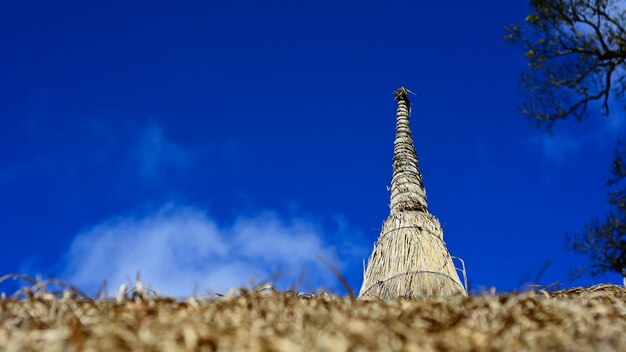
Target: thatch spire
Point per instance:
(407, 189)
(410, 258)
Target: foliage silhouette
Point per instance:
(576, 51)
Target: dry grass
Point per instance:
(410, 257)
(585, 319)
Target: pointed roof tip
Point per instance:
(402, 94)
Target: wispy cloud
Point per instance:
(155, 152)
(178, 248)
(598, 133)
(555, 147)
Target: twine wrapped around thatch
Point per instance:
(410, 258)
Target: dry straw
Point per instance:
(410, 258)
(592, 319)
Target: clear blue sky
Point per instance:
(204, 142)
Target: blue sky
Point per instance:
(207, 143)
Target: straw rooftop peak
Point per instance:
(407, 188)
(410, 258)
(402, 94)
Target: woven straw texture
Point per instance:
(410, 258)
(591, 319)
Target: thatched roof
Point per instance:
(591, 319)
(410, 258)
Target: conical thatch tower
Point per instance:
(410, 258)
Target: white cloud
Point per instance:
(154, 152)
(179, 248)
